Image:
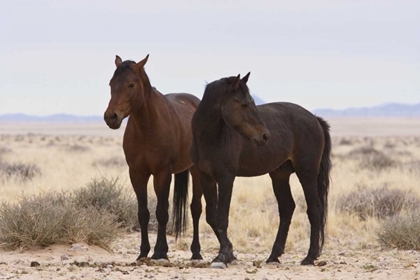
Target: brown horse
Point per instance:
(157, 141)
(223, 125)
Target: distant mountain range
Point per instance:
(52, 118)
(384, 110)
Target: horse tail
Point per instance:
(323, 180)
(179, 209)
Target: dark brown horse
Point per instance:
(157, 141)
(228, 127)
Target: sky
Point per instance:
(58, 56)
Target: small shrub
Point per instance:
(23, 171)
(389, 145)
(108, 195)
(345, 142)
(412, 166)
(78, 148)
(377, 162)
(153, 223)
(401, 232)
(54, 219)
(363, 151)
(111, 162)
(379, 202)
(5, 150)
(370, 158)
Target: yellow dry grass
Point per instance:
(70, 155)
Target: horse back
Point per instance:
(183, 102)
(294, 126)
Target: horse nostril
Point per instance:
(114, 117)
(266, 136)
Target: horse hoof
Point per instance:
(197, 257)
(307, 261)
(141, 260)
(162, 261)
(272, 260)
(159, 257)
(218, 265)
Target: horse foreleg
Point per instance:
(139, 182)
(223, 205)
(208, 186)
(161, 183)
(286, 205)
(196, 209)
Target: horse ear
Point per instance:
(141, 64)
(237, 82)
(245, 79)
(118, 61)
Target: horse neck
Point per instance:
(210, 123)
(147, 110)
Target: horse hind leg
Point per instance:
(286, 206)
(308, 179)
(196, 209)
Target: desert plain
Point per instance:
(369, 155)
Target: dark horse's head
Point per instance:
(238, 108)
(127, 85)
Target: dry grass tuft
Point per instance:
(110, 196)
(96, 214)
(363, 151)
(345, 142)
(111, 162)
(372, 159)
(378, 202)
(412, 166)
(378, 162)
(78, 148)
(5, 150)
(54, 218)
(21, 171)
(401, 232)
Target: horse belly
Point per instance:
(257, 161)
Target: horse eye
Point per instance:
(244, 105)
(131, 85)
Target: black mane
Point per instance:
(216, 91)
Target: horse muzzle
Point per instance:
(112, 120)
(261, 140)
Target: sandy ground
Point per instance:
(81, 261)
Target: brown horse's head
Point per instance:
(127, 87)
(240, 113)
